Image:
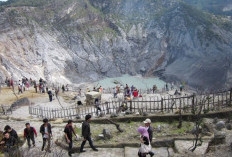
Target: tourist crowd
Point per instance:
(10, 141)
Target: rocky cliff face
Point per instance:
(86, 40)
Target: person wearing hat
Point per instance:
(147, 123)
(86, 134)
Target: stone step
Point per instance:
(159, 152)
(102, 152)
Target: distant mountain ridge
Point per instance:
(86, 40)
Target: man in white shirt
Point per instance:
(46, 132)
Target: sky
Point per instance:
(3, 0)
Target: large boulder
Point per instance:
(183, 145)
(219, 138)
(21, 102)
(91, 96)
(220, 125)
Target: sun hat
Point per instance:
(147, 121)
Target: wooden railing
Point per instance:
(168, 105)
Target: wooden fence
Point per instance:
(168, 105)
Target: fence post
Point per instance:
(131, 105)
(230, 97)
(162, 105)
(107, 108)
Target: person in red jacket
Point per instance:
(135, 93)
(29, 134)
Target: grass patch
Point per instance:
(130, 134)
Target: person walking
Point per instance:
(29, 134)
(86, 134)
(145, 146)
(10, 145)
(46, 131)
(63, 89)
(68, 130)
(97, 105)
(147, 123)
(11, 131)
(20, 87)
(79, 92)
(115, 92)
(50, 95)
(35, 86)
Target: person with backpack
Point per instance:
(68, 130)
(46, 131)
(29, 134)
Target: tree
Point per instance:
(197, 111)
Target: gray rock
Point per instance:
(78, 117)
(219, 138)
(145, 114)
(100, 137)
(101, 114)
(159, 128)
(107, 134)
(113, 115)
(228, 126)
(194, 131)
(220, 125)
(215, 120)
(128, 112)
(21, 102)
(137, 114)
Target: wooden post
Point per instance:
(213, 102)
(162, 103)
(150, 104)
(107, 108)
(131, 105)
(230, 103)
(222, 100)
